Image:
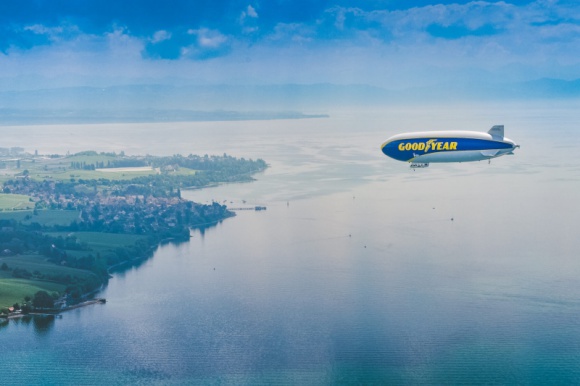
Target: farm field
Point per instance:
(43, 217)
(38, 263)
(98, 241)
(20, 288)
(15, 289)
(10, 202)
(60, 175)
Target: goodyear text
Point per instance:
(430, 145)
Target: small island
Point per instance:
(67, 221)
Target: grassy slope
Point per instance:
(15, 290)
(89, 175)
(44, 217)
(59, 170)
(99, 242)
(38, 263)
(15, 202)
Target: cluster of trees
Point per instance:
(82, 166)
(92, 153)
(41, 300)
(225, 163)
(16, 238)
(117, 163)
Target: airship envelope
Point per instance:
(422, 148)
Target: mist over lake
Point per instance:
(360, 271)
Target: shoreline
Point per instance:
(53, 312)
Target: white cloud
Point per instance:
(251, 12)
(43, 30)
(160, 36)
(248, 21)
(208, 38)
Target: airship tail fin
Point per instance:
(496, 131)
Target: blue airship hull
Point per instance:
(448, 146)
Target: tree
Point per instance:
(26, 308)
(42, 300)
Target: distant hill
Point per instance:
(530, 90)
(46, 116)
(152, 103)
(196, 98)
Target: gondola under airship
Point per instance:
(422, 148)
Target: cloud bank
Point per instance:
(379, 42)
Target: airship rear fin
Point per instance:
(496, 131)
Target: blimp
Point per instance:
(425, 147)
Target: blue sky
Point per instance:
(387, 43)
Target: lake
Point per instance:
(360, 271)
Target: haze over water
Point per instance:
(360, 271)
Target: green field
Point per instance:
(89, 175)
(44, 217)
(60, 170)
(184, 172)
(15, 290)
(99, 241)
(9, 202)
(38, 263)
(88, 159)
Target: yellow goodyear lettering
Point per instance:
(430, 145)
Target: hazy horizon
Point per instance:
(65, 62)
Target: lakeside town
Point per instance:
(67, 220)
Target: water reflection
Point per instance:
(121, 269)
(43, 323)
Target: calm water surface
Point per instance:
(361, 271)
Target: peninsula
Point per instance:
(67, 220)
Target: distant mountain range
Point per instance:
(150, 103)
